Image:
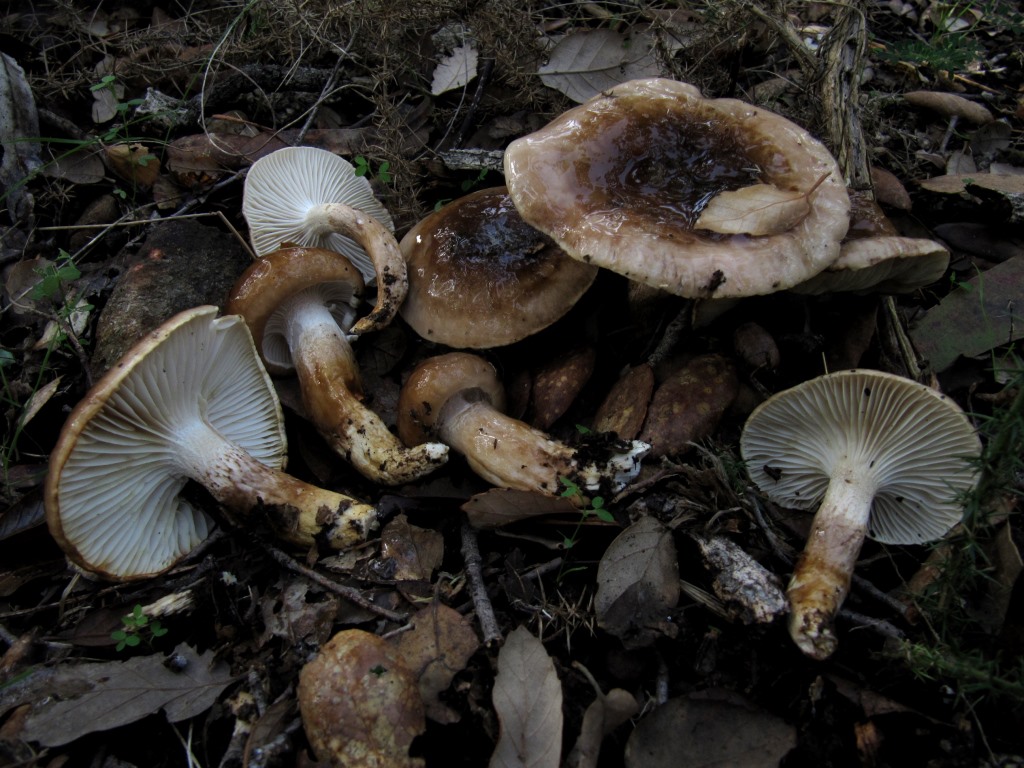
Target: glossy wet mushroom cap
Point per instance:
(480, 277)
(621, 181)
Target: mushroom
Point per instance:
(622, 180)
(309, 196)
(878, 455)
(360, 703)
(874, 257)
(480, 277)
(190, 401)
(298, 302)
(458, 398)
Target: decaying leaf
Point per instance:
(436, 649)
(585, 63)
(625, 406)
(115, 693)
(973, 319)
(1009, 186)
(711, 732)
(416, 552)
(527, 696)
(19, 126)
(606, 713)
(134, 163)
(454, 70)
(638, 584)
(502, 506)
(760, 209)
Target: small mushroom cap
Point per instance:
(620, 181)
(915, 443)
(113, 492)
(360, 703)
(282, 187)
(433, 382)
(874, 257)
(480, 277)
(279, 275)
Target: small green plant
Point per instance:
(363, 168)
(589, 507)
(137, 627)
(468, 184)
(54, 276)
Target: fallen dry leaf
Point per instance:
(760, 209)
(527, 696)
(115, 693)
(501, 506)
(454, 70)
(437, 648)
(711, 732)
(585, 63)
(415, 552)
(638, 583)
(950, 105)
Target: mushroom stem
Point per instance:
(300, 513)
(503, 451)
(325, 365)
(511, 454)
(382, 248)
(821, 579)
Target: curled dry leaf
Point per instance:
(625, 406)
(528, 699)
(950, 105)
(416, 552)
(585, 63)
(360, 703)
(454, 70)
(502, 506)
(556, 385)
(761, 209)
(436, 649)
(638, 584)
(688, 406)
(711, 732)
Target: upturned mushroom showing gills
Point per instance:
(298, 303)
(480, 277)
(190, 401)
(309, 196)
(876, 455)
(458, 399)
(703, 198)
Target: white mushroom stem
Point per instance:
(297, 511)
(382, 248)
(821, 579)
(511, 454)
(325, 365)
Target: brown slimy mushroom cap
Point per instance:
(480, 277)
(875, 257)
(621, 180)
(261, 290)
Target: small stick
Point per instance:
(349, 593)
(477, 588)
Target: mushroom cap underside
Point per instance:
(113, 492)
(620, 181)
(283, 186)
(913, 444)
(279, 275)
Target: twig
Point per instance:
(349, 593)
(477, 588)
(678, 325)
(879, 626)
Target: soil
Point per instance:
(128, 209)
